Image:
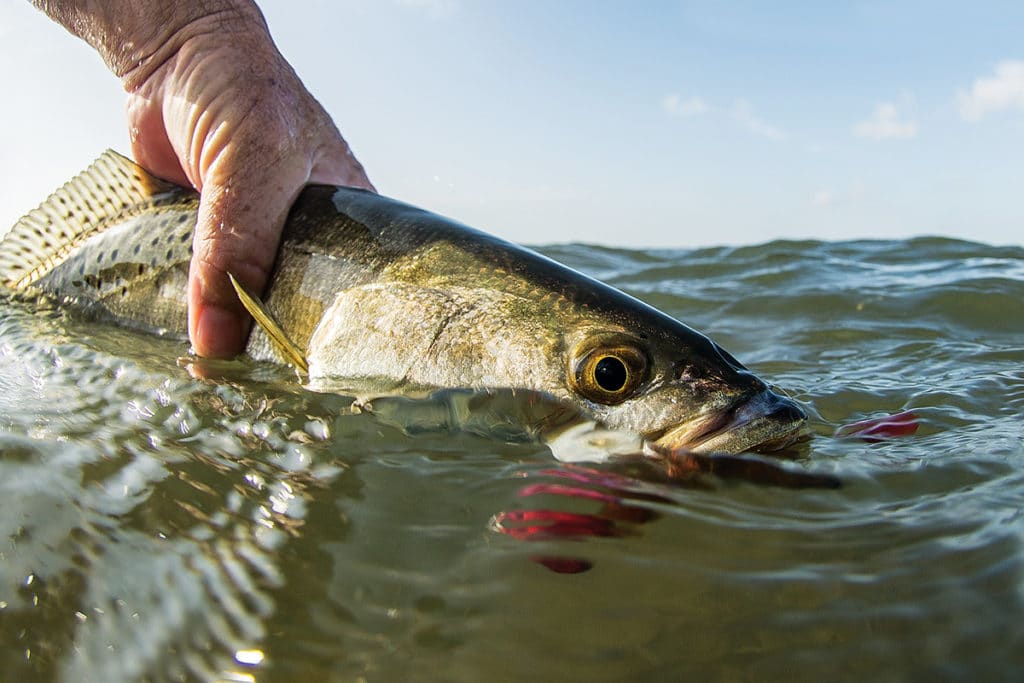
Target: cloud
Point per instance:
(740, 112)
(745, 116)
(1004, 90)
(692, 106)
(823, 198)
(885, 123)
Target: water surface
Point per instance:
(159, 526)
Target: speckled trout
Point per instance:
(368, 291)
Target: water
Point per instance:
(159, 526)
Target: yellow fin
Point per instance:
(288, 349)
(113, 188)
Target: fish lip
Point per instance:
(689, 435)
(763, 422)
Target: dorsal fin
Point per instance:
(279, 339)
(112, 188)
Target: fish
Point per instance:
(368, 291)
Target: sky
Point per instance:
(654, 124)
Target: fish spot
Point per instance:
(170, 254)
(137, 249)
(182, 218)
(99, 257)
(155, 241)
(142, 268)
(113, 255)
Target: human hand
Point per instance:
(227, 115)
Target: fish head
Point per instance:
(677, 389)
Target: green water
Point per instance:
(157, 526)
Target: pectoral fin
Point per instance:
(288, 349)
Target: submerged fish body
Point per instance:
(374, 292)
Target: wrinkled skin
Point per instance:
(213, 105)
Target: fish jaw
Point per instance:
(765, 421)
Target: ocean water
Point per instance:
(158, 526)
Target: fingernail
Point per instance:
(220, 333)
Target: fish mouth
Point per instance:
(764, 422)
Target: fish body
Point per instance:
(372, 291)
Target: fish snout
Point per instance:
(769, 405)
(766, 421)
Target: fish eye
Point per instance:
(608, 375)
